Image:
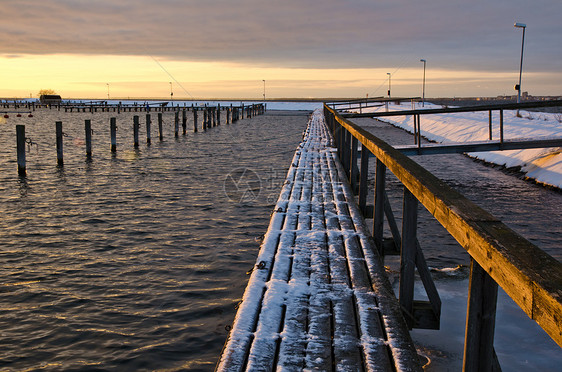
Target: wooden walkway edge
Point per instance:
(318, 297)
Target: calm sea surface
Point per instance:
(133, 261)
(137, 261)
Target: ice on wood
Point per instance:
(318, 297)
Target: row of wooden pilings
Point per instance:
(211, 118)
(244, 110)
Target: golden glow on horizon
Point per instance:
(140, 76)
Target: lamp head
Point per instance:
(520, 25)
(422, 60)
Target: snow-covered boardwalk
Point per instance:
(318, 297)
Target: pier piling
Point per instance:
(136, 130)
(20, 140)
(88, 137)
(59, 134)
(113, 134)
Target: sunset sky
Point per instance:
(301, 48)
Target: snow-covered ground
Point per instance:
(542, 165)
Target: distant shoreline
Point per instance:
(460, 101)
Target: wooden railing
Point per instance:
(499, 256)
(419, 112)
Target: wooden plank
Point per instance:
(311, 302)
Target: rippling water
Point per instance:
(132, 261)
(136, 261)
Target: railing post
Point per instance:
(415, 129)
(490, 125)
(408, 256)
(378, 214)
(363, 172)
(353, 164)
(479, 354)
(347, 156)
(501, 126)
(419, 130)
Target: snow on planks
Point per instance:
(318, 297)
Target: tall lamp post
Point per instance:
(171, 92)
(263, 92)
(423, 85)
(388, 73)
(107, 90)
(518, 86)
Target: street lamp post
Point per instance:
(388, 73)
(263, 92)
(171, 92)
(518, 86)
(423, 85)
(107, 90)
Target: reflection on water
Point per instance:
(133, 260)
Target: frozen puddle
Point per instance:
(318, 297)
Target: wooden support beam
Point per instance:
(479, 354)
(378, 216)
(408, 256)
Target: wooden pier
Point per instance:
(318, 297)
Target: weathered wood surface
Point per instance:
(318, 297)
(532, 278)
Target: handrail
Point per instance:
(500, 106)
(532, 278)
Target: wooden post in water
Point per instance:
(58, 129)
(176, 124)
(160, 134)
(136, 126)
(88, 136)
(20, 141)
(408, 256)
(184, 122)
(194, 120)
(148, 134)
(479, 354)
(113, 133)
(219, 114)
(213, 116)
(228, 115)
